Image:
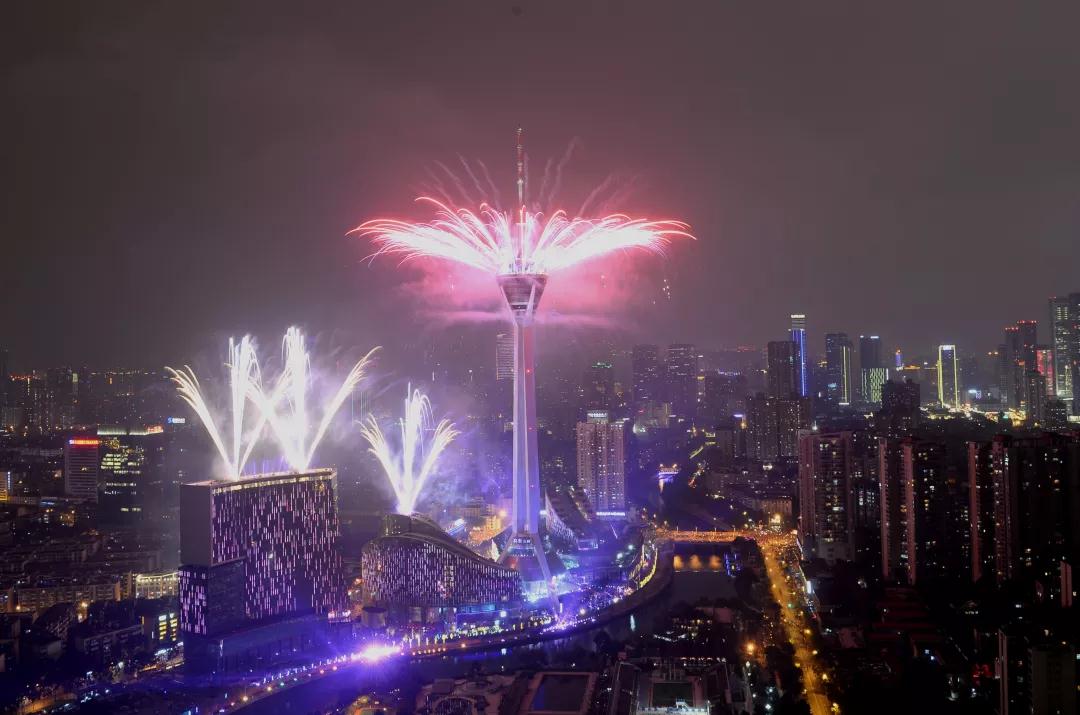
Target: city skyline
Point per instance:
(749, 383)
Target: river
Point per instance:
(700, 572)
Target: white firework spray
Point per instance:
(409, 468)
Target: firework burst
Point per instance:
(409, 468)
(498, 243)
(243, 368)
(286, 407)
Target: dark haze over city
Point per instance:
(169, 177)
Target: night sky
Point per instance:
(171, 173)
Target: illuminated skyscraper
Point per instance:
(1065, 342)
(645, 365)
(1017, 355)
(61, 395)
(131, 476)
(802, 370)
(780, 369)
(256, 550)
(681, 367)
(773, 425)
(1034, 391)
(1028, 342)
(601, 463)
(873, 381)
(838, 367)
(4, 376)
(504, 356)
(870, 351)
(870, 358)
(1032, 518)
(914, 509)
(81, 463)
(598, 387)
(825, 494)
(900, 402)
(948, 369)
(1044, 364)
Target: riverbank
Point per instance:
(653, 586)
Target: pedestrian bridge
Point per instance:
(681, 536)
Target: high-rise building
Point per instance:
(81, 464)
(1044, 364)
(720, 395)
(61, 398)
(681, 367)
(918, 527)
(948, 383)
(773, 425)
(980, 466)
(802, 369)
(598, 387)
(1053, 679)
(1008, 379)
(1028, 331)
(1064, 314)
(504, 356)
(601, 463)
(780, 369)
(5, 377)
(1034, 391)
(256, 550)
(131, 476)
(838, 354)
(870, 352)
(1017, 354)
(825, 494)
(866, 494)
(1034, 524)
(870, 358)
(873, 382)
(900, 402)
(646, 368)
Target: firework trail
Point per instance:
(409, 469)
(243, 366)
(292, 426)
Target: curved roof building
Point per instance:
(415, 564)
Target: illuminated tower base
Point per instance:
(525, 551)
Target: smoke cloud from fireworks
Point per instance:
(410, 466)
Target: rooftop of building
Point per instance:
(253, 480)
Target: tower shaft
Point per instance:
(526, 490)
(525, 550)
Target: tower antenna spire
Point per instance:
(521, 166)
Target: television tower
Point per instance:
(522, 291)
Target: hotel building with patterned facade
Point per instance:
(255, 552)
(418, 573)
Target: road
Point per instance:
(775, 549)
(798, 631)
